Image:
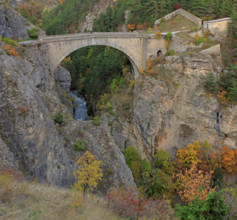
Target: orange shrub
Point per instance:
(158, 35)
(142, 71)
(131, 27)
(193, 183)
(10, 50)
(221, 96)
(214, 160)
(149, 64)
(142, 26)
(167, 44)
(151, 72)
(229, 159)
(197, 37)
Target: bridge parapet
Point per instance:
(67, 37)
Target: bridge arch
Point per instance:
(70, 50)
(138, 48)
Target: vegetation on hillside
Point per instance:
(66, 16)
(193, 184)
(111, 20)
(227, 84)
(144, 13)
(194, 179)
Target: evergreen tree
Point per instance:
(233, 91)
(211, 83)
(226, 8)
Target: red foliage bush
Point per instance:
(13, 173)
(177, 6)
(129, 203)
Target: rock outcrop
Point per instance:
(97, 10)
(12, 24)
(6, 158)
(99, 142)
(26, 127)
(172, 108)
(29, 100)
(63, 78)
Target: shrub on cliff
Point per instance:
(96, 121)
(228, 81)
(33, 33)
(210, 83)
(59, 119)
(79, 146)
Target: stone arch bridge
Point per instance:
(137, 47)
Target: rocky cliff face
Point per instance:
(30, 96)
(12, 24)
(172, 108)
(96, 11)
(26, 127)
(29, 99)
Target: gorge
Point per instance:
(147, 94)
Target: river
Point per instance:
(80, 113)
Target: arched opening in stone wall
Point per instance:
(97, 73)
(159, 53)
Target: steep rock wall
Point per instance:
(12, 24)
(29, 98)
(172, 108)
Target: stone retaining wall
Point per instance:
(185, 14)
(219, 27)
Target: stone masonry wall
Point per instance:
(185, 14)
(219, 28)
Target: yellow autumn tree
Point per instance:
(190, 154)
(88, 173)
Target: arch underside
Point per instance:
(60, 50)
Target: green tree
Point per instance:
(161, 161)
(210, 83)
(226, 7)
(157, 183)
(134, 162)
(88, 173)
(213, 208)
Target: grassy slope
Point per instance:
(24, 200)
(177, 23)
